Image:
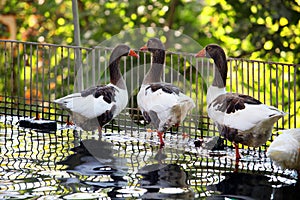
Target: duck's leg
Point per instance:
(237, 153)
(237, 157)
(37, 117)
(100, 132)
(161, 140)
(236, 167)
(69, 122)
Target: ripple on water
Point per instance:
(74, 164)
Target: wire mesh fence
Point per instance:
(67, 161)
(34, 74)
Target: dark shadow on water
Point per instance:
(123, 167)
(95, 159)
(253, 186)
(159, 180)
(164, 181)
(288, 192)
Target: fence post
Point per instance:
(78, 85)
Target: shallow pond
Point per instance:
(74, 164)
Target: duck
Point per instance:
(239, 118)
(96, 106)
(285, 150)
(162, 104)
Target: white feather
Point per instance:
(284, 150)
(162, 103)
(247, 118)
(213, 92)
(91, 107)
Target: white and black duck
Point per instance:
(98, 105)
(285, 150)
(239, 118)
(162, 104)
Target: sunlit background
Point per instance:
(261, 39)
(265, 30)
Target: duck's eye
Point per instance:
(208, 48)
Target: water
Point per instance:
(73, 164)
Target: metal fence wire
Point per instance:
(34, 74)
(44, 166)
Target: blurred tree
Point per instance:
(267, 30)
(257, 29)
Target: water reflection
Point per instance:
(164, 180)
(36, 164)
(287, 192)
(94, 164)
(253, 186)
(29, 161)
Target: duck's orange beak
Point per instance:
(133, 53)
(144, 48)
(201, 54)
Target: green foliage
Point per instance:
(258, 29)
(266, 30)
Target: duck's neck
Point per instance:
(218, 86)
(213, 92)
(220, 71)
(116, 77)
(156, 69)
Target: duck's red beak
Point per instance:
(144, 48)
(201, 54)
(133, 53)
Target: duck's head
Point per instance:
(157, 49)
(213, 51)
(121, 50)
(153, 45)
(124, 50)
(216, 52)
